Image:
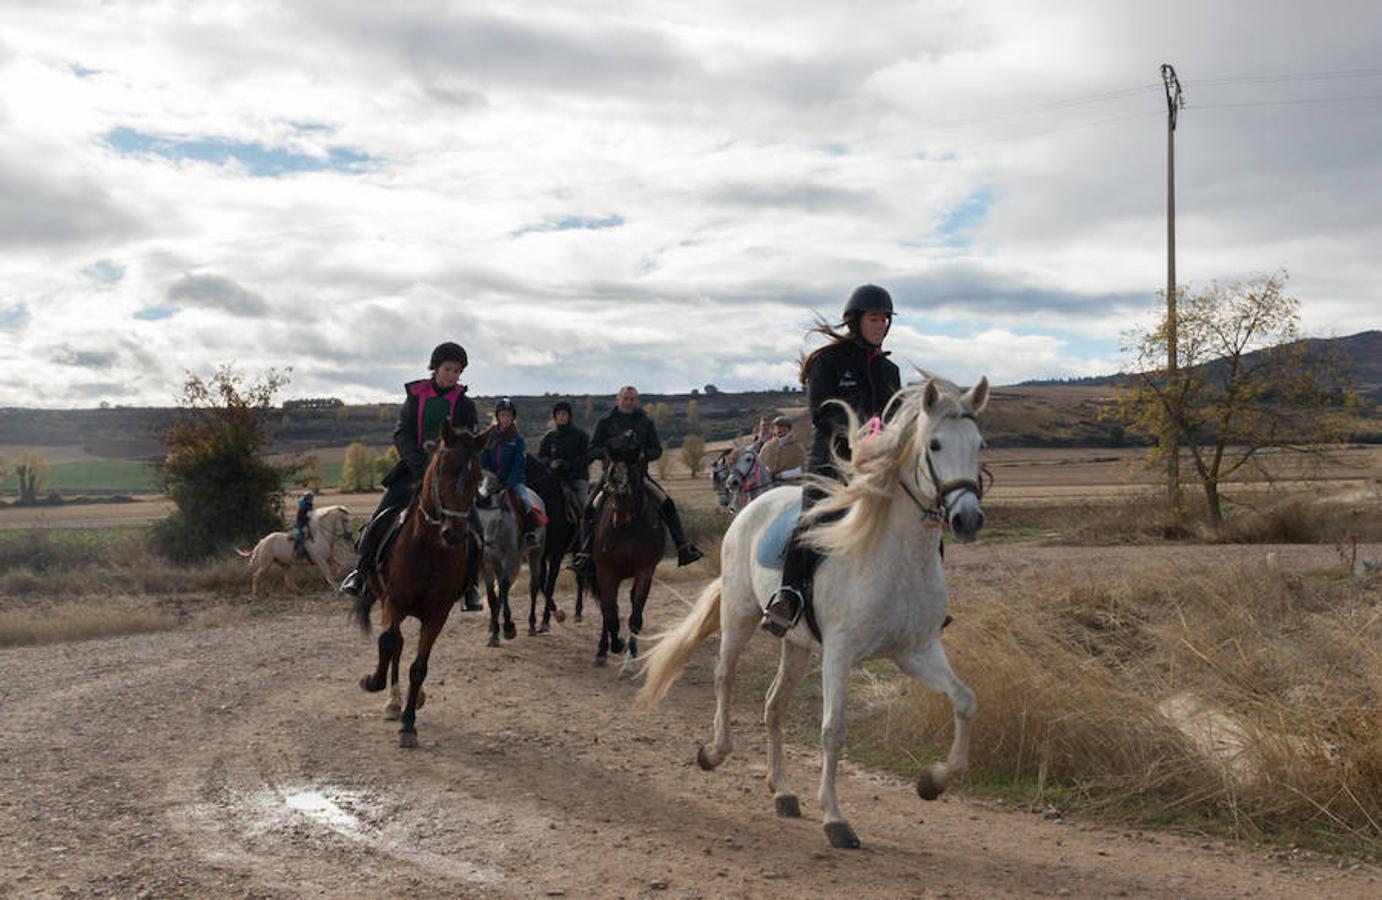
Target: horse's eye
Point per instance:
(935, 445)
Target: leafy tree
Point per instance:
(658, 412)
(693, 453)
(310, 474)
(711, 389)
(358, 469)
(386, 413)
(32, 471)
(384, 462)
(217, 473)
(1246, 384)
(693, 414)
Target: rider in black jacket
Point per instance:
(565, 451)
(628, 419)
(852, 368)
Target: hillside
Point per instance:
(1361, 355)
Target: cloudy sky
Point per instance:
(586, 194)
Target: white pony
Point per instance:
(879, 592)
(328, 525)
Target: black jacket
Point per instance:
(568, 446)
(412, 459)
(614, 423)
(860, 375)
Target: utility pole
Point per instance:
(1170, 438)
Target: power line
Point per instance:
(1304, 101)
(1334, 75)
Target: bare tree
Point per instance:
(32, 471)
(1246, 384)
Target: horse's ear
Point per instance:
(977, 397)
(448, 434)
(930, 396)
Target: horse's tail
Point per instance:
(674, 648)
(359, 614)
(243, 552)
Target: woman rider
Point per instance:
(429, 401)
(852, 368)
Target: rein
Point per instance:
(443, 513)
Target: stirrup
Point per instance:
(582, 564)
(774, 621)
(353, 583)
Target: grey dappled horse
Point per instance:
(503, 552)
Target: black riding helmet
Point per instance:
(866, 298)
(505, 404)
(450, 351)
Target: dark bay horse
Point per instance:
(426, 568)
(629, 542)
(563, 536)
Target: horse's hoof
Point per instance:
(493, 640)
(633, 649)
(510, 631)
(546, 628)
(392, 712)
(407, 739)
(928, 786)
(787, 806)
(600, 660)
(704, 761)
(841, 836)
(616, 645)
(559, 616)
(367, 684)
(532, 631)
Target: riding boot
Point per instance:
(788, 601)
(583, 562)
(356, 582)
(686, 552)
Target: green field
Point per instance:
(121, 476)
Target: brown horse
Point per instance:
(427, 567)
(629, 542)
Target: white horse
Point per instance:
(879, 591)
(328, 525)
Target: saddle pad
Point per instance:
(772, 546)
(392, 525)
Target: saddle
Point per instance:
(574, 504)
(391, 520)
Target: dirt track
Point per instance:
(243, 760)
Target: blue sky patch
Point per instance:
(82, 71)
(155, 313)
(103, 271)
(259, 160)
(968, 214)
(573, 223)
(13, 318)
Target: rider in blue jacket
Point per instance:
(302, 525)
(505, 454)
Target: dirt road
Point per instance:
(243, 760)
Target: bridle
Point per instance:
(939, 507)
(443, 512)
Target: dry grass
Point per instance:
(78, 622)
(1245, 699)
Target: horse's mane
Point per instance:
(865, 493)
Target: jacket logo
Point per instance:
(848, 380)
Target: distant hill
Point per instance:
(1048, 413)
(1361, 353)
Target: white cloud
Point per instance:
(587, 198)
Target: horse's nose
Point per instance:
(966, 522)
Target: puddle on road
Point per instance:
(350, 815)
(323, 810)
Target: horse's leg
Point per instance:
(790, 670)
(607, 594)
(505, 583)
(638, 598)
(323, 568)
(493, 597)
(395, 704)
(551, 568)
(735, 633)
(390, 648)
(931, 667)
(534, 588)
(417, 673)
(834, 687)
(580, 598)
